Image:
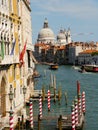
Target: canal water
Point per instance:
(66, 80)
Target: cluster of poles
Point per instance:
(31, 111)
(78, 108)
(11, 117)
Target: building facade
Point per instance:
(16, 69)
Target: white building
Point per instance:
(64, 37)
(46, 34)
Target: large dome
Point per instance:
(46, 34)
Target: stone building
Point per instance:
(16, 65)
(46, 34)
(49, 49)
(75, 48)
(64, 37)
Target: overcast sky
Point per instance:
(80, 15)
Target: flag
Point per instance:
(13, 46)
(2, 49)
(21, 56)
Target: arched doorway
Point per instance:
(3, 98)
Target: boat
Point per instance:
(53, 66)
(89, 68)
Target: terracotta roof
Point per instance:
(88, 51)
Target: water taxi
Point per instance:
(89, 68)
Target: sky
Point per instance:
(81, 16)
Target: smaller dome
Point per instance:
(61, 35)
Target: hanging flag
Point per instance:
(2, 49)
(13, 46)
(21, 56)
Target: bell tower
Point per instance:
(68, 37)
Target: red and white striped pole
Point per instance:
(83, 102)
(76, 112)
(31, 113)
(40, 106)
(48, 100)
(79, 104)
(11, 120)
(73, 116)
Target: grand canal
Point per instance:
(66, 79)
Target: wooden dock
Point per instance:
(65, 123)
(53, 123)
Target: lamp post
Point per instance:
(11, 111)
(24, 92)
(11, 95)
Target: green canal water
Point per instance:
(66, 79)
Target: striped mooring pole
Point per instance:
(31, 113)
(73, 116)
(40, 106)
(76, 112)
(79, 104)
(83, 102)
(48, 100)
(11, 120)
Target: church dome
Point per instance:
(46, 34)
(61, 35)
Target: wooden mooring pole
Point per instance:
(66, 100)
(39, 120)
(43, 93)
(59, 95)
(60, 122)
(18, 123)
(22, 122)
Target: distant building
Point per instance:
(46, 34)
(64, 37)
(62, 50)
(75, 48)
(88, 57)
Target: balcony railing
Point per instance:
(8, 59)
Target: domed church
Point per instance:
(64, 37)
(46, 34)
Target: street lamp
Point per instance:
(24, 92)
(11, 95)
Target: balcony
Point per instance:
(9, 59)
